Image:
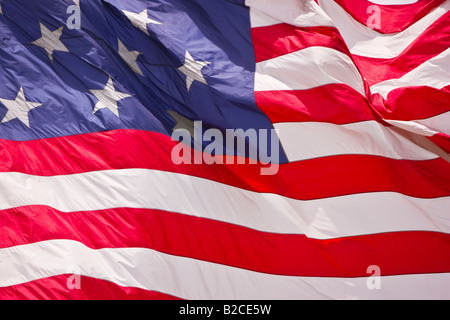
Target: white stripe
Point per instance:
(342, 216)
(413, 126)
(393, 2)
(427, 127)
(306, 140)
(366, 42)
(199, 280)
(305, 13)
(433, 73)
(439, 123)
(260, 19)
(306, 69)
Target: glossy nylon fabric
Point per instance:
(63, 86)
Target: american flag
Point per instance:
(92, 205)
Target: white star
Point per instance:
(140, 20)
(19, 108)
(1, 11)
(193, 70)
(108, 97)
(130, 57)
(50, 41)
(183, 123)
(77, 2)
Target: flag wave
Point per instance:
(92, 205)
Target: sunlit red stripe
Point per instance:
(62, 287)
(276, 40)
(320, 178)
(394, 18)
(223, 243)
(376, 70)
(442, 140)
(413, 103)
(334, 103)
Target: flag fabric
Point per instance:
(92, 205)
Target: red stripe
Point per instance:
(413, 103)
(333, 103)
(320, 178)
(232, 245)
(442, 140)
(339, 104)
(277, 40)
(394, 18)
(56, 288)
(377, 70)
